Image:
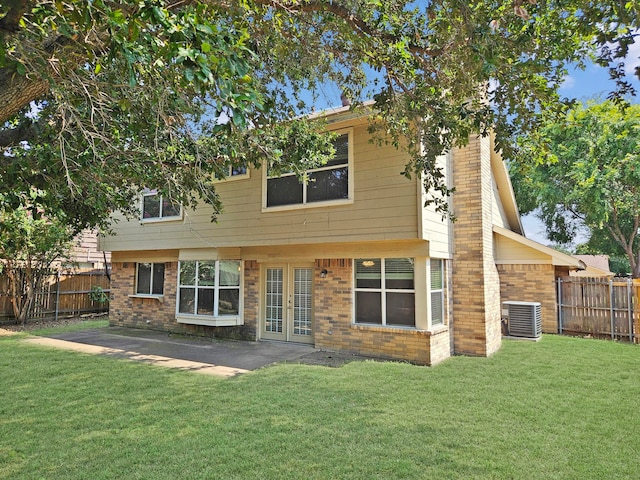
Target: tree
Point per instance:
(586, 171)
(29, 244)
(168, 94)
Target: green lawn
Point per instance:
(560, 408)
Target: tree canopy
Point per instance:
(99, 99)
(585, 171)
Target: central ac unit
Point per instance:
(524, 318)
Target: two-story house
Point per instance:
(352, 260)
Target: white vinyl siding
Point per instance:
(384, 207)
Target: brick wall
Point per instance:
(532, 283)
(334, 328)
(476, 284)
(159, 314)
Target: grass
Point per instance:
(560, 408)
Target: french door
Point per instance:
(287, 312)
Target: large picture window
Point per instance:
(385, 291)
(155, 207)
(329, 182)
(150, 279)
(209, 288)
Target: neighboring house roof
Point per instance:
(597, 266)
(512, 247)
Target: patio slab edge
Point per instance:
(187, 365)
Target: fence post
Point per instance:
(611, 300)
(57, 293)
(629, 310)
(560, 305)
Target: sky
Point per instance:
(591, 83)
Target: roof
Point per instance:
(515, 248)
(597, 266)
(505, 190)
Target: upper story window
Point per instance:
(328, 183)
(157, 207)
(235, 173)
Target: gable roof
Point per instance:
(512, 247)
(505, 190)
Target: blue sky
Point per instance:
(585, 84)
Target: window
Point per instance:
(155, 206)
(209, 288)
(437, 291)
(384, 291)
(235, 173)
(329, 182)
(150, 279)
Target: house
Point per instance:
(85, 254)
(597, 266)
(351, 261)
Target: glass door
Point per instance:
(288, 303)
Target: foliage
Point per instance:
(97, 294)
(600, 243)
(586, 171)
(75, 416)
(168, 94)
(29, 244)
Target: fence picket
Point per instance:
(598, 306)
(66, 294)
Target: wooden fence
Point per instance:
(61, 294)
(599, 307)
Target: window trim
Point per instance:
(158, 296)
(212, 320)
(232, 178)
(383, 291)
(149, 193)
(440, 290)
(325, 203)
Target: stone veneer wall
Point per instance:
(532, 283)
(334, 328)
(476, 284)
(159, 314)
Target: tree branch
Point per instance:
(10, 23)
(356, 23)
(27, 130)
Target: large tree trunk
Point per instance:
(17, 91)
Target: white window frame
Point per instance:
(230, 177)
(304, 204)
(150, 294)
(439, 291)
(383, 297)
(214, 320)
(161, 218)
